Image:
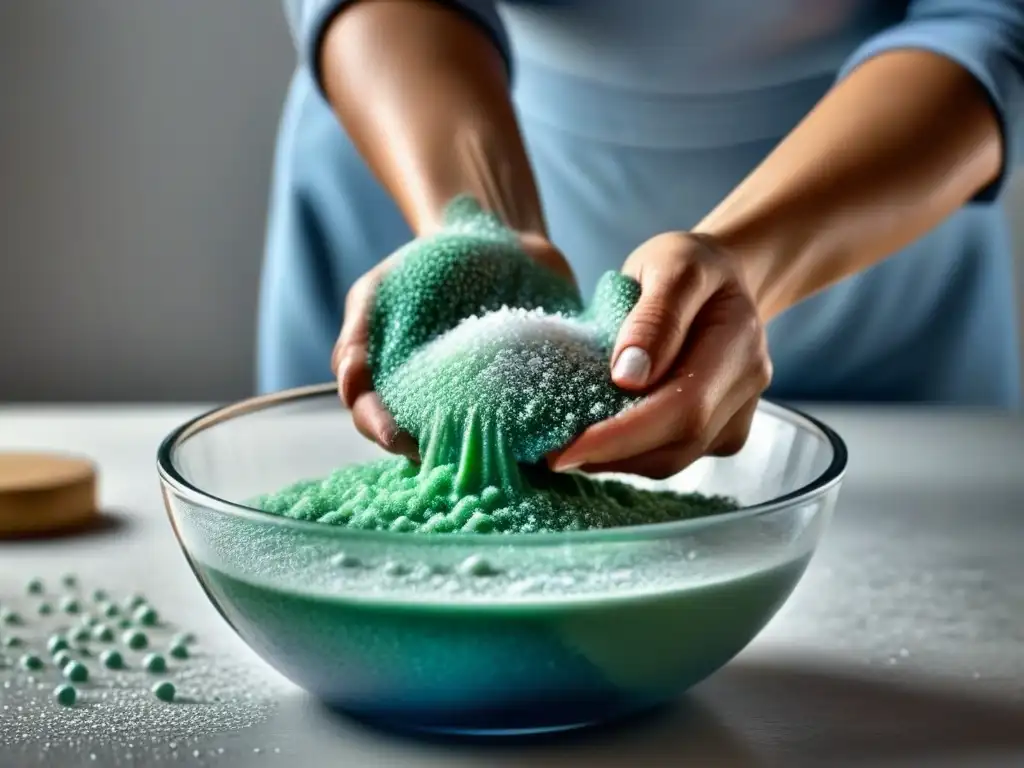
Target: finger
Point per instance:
(658, 464)
(674, 285)
(672, 459)
(686, 407)
(374, 422)
(354, 375)
(733, 436)
(351, 347)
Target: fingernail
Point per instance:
(632, 367)
(560, 465)
(342, 379)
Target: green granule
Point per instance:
(490, 361)
(390, 494)
(164, 691)
(65, 695)
(75, 671)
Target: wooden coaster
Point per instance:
(45, 493)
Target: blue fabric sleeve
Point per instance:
(309, 20)
(985, 37)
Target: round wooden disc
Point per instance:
(44, 493)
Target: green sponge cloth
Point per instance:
(488, 358)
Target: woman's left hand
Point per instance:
(696, 346)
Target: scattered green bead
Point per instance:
(76, 672)
(35, 587)
(134, 601)
(65, 694)
(99, 596)
(112, 659)
(79, 635)
(61, 659)
(31, 662)
(179, 650)
(90, 621)
(69, 580)
(145, 615)
(154, 662)
(12, 641)
(70, 605)
(45, 609)
(7, 616)
(164, 690)
(135, 639)
(56, 643)
(110, 610)
(185, 638)
(124, 623)
(102, 633)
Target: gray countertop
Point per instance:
(903, 645)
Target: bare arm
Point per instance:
(896, 147)
(902, 142)
(423, 92)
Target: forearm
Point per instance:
(423, 92)
(898, 145)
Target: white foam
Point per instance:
(511, 326)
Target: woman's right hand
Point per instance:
(350, 360)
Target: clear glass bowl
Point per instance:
(490, 634)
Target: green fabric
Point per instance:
(509, 386)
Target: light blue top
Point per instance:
(639, 116)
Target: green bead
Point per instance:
(35, 587)
(164, 690)
(12, 641)
(99, 596)
(76, 672)
(110, 610)
(69, 580)
(185, 638)
(145, 615)
(154, 662)
(90, 621)
(70, 605)
(65, 695)
(45, 609)
(134, 601)
(135, 639)
(124, 623)
(79, 635)
(102, 633)
(56, 643)
(61, 659)
(31, 662)
(112, 659)
(8, 616)
(179, 650)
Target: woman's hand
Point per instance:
(696, 344)
(350, 359)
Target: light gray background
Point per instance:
(135, 145)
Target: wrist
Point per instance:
(476, 161)
(765, 251)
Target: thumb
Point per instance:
(674, 285)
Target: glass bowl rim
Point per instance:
(170, 476)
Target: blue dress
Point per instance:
(639, 117)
